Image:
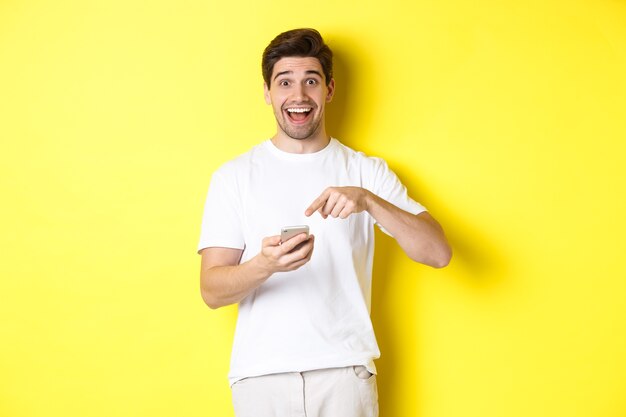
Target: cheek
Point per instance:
(277, 101)
(278, 111)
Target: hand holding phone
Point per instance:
(288, 232)
(279, 255)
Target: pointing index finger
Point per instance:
(317, 204)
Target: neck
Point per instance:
(312, 144)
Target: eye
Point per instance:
(283, 83)
(311, 81)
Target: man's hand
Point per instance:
(224, 281)
(288, 256)
(340, 202)
(420, 236)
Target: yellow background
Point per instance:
(505, 118)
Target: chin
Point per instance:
(302, 135)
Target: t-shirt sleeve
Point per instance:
(221, 221)
(387, 186)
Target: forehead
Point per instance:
(297, 65)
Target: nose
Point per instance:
(300, 93)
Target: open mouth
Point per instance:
(299, 114)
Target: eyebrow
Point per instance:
(291, 72)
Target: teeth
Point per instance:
(299, 110)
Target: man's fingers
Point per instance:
(310, 253)
(287, 256)
(299, 263)
(317, 203)
(301, 255)
(337, 202)
(271, 241)
(331, 203)
(339, 206)
(347, 211)
(293, 242)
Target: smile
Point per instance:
(299, 114)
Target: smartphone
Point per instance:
(288, 232)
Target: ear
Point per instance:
(266, 93)
(331, 90)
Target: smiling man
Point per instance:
(298, 96)
(304, 343)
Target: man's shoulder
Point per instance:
(241, 162)
(359, 157)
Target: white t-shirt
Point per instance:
(317, 316)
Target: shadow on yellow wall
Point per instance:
(397, 321)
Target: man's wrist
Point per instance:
(260, 267)
(370, 200)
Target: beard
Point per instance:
(298, 132)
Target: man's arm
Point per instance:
(224, 281)
(420, 236)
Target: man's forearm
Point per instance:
(420, 236)
(224, 281)
(225, 285)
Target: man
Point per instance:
(304, 343)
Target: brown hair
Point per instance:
(297, 43)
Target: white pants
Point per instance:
(335, 392)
